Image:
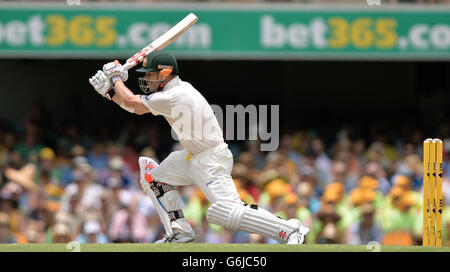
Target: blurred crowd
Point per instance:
(62, 182)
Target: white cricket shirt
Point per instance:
(188, 113)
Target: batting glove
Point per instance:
(115, 71)
(102, 84)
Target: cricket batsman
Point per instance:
(205, 160)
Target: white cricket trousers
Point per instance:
(210, 170)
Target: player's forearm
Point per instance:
(123, 94)
(127, 100)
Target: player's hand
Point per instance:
(101, 83)
(115, 71)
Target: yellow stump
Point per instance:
(438, 197)
(426, 196)
(433, 193)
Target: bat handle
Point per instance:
(127, 66)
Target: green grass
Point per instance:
(194, 247)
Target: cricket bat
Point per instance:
(167, 38)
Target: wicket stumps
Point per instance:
(432, 192)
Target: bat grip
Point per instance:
(127, 66)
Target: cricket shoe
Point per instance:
(298, 236)
(182, 233)
(176, 238)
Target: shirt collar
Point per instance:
(174, 82)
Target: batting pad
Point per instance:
(144, 166)
(237, 216)
(166, 203)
